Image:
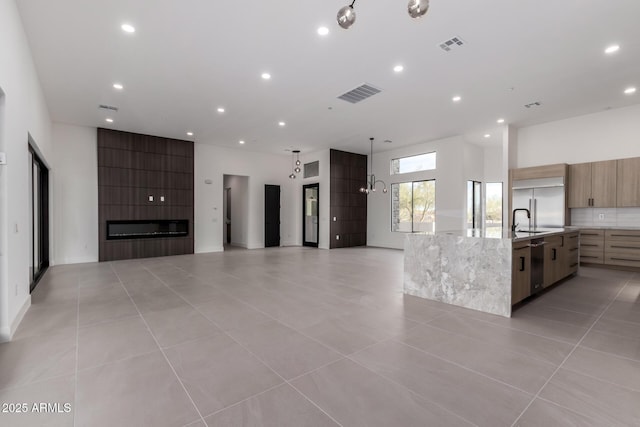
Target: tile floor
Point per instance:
(306, 337)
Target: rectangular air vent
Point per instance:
(451, 43)
(359, 94)
(533, 104)
(107, 107)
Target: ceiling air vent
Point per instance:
(107, 107)
(451, 43)
(359, 94)
(533, 104)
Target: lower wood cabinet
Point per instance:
(520, 272)
(553, 260)
(570, 253)
(592, 246)
(622, 248)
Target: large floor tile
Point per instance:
(142, 391)
(342, 335)
(285, 350)
(580, 320)
(354, 397)
(58, 392)
(608, 404)
(483, 401)
(614, 344)
(517, 341)
(158, 300)
(37, 358)
(623, 310)
(546, 414)
(218, 372)
(280, 407)
(112, 341)
(513, 368)
(177, 325)
(96, 310)
(228, 313)
(620, 328)
(45, 319)
(606, 367)
(537, 326)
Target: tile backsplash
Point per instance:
(606, 217)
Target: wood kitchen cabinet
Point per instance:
(622, 247)
(628, 182)
(592, 246)
(553, 260)
(521, 272)
(593, 184)
(570, 252)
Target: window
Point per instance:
(413, 206)
(474, 204)
(493, 204)
(421, 162)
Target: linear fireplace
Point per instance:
(146, 229)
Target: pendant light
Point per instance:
(418, 8)
(347, 15)
(371, 179)
(295, 163)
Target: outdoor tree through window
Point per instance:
(413, 206)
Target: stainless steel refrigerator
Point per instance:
(544, 197)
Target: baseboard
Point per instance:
(6, 333)
(240, 245)
(209, 250)
(75, 261)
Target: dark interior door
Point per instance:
(271, 215)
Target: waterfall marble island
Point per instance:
(487, 269)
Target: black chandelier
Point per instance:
(371, 179)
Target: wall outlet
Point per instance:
(601, 217)
(151, 198)
(162, 198)
(337, 237)
(335, 219)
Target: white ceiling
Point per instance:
(189, 57)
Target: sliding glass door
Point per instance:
(39, 217)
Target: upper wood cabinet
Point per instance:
(628, 185)
(593, 184)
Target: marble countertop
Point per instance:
(606, 227)
(498, 233)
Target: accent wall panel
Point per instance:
(132, 167)
(347, 204)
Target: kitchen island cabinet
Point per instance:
(489, 271)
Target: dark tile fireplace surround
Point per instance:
(145, 192)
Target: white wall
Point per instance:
(75, 185)
(25, 113)
(239, 186)
(457, 161)
(493, 164)
(212, 163)
(323, 179)
(612, 134)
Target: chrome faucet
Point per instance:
(513, 217)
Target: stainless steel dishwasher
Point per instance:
(537, 265)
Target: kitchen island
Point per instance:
(487, 269)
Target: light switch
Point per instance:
(335, 219)
(162, 198)
(337, 237)
(151, 198)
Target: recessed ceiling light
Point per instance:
(398, 68)
(500, 121)
(220, 110)
(456, 98)
(118, 86)
(281, 124)
(486, 135)
(323, 31)
(630, 90)
(128, 28)
(612, 49)
(266, 76)
(190, 133)
(241, 142)
(108, 120)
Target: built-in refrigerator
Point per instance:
(544, 198)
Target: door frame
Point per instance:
(304, 209)
(41, 217)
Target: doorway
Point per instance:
(39, 217)
(235, 209)
(271, 215)
(310, 209)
